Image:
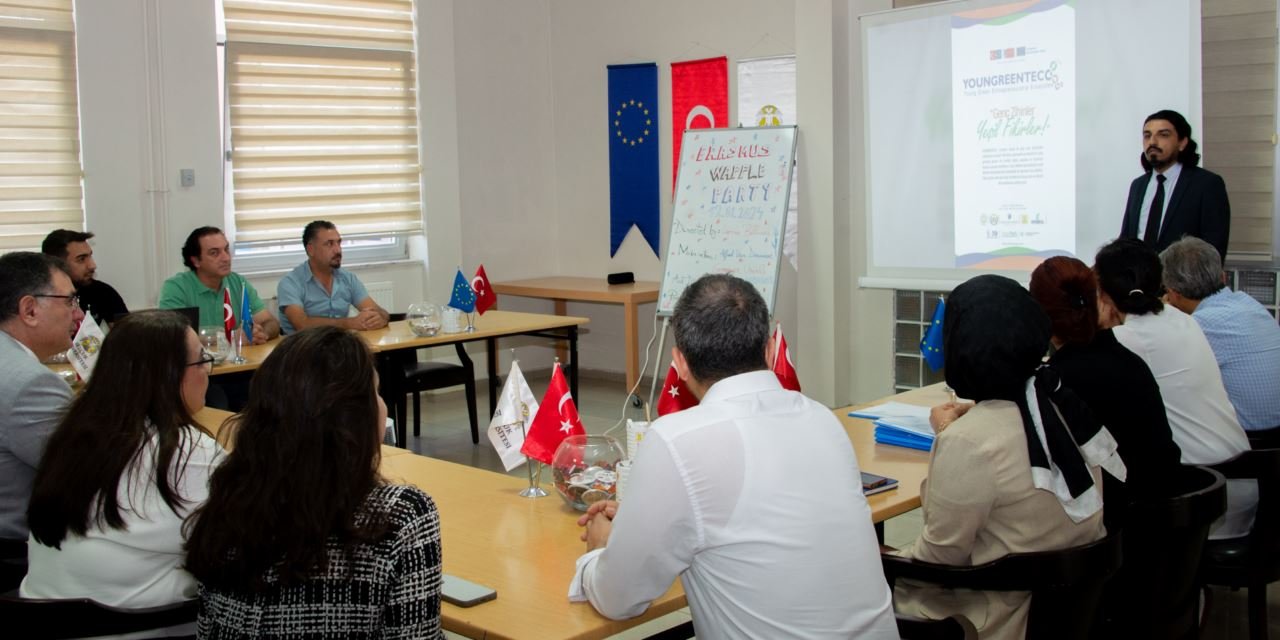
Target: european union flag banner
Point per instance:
(931, 344)
(462, 298)
(633, 153)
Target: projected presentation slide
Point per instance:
(1014, 133)
(999, 133)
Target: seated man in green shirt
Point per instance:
(207, 255)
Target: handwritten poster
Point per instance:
(730, 208)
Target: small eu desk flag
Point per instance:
(462, 298)
(633, 153)
(931, 344)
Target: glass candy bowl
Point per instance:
(585, 469)
(423, 319)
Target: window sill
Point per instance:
(355, 266)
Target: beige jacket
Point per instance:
(979, 505)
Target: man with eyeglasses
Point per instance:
(39, 314)
(97, 298)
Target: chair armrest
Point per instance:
(1092, 562)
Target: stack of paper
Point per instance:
(899, 424)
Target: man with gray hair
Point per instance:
(1244, 337)
(39, 314)
(753, 498)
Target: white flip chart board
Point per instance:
(730, 209)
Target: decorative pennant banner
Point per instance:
(699, 100)
(633, 153)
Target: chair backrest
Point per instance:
(1154, 593)
(81, 617)
(1065, 585)
(1264, 438)
(952, 628)
(1262, 465)
(13, 563)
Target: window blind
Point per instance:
(1238, 48)
(323, 114)
(40, 175)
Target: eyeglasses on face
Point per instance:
(206, 360)
(73, 300)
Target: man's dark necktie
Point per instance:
(1153, 216)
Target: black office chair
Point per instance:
(13, 563)
(1264, 438)
(426, 376)
(1155, 593)
(1065, 585)
(81, 617)
(952, 628)
(1252, 561)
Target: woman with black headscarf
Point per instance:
(1006, 475)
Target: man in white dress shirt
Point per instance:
(753, 498)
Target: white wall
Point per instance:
(148, 103)
(515, 160)
(587, 35)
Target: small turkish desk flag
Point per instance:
(485, 297)
(556, 419)
(782, 365)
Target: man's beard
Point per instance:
(1154, 158)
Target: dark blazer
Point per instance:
(1197, 207)
(1118, 387)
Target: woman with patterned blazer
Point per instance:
(300, 536)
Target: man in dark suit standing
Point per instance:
(1175, 197)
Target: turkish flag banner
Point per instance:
(485, 297)
(699, 100)
(675, 395)
(556, 419)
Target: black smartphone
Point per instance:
(872, 483)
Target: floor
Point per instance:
(446, 435)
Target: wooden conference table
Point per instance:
(525, 548)
(562, 289)
(492, 325)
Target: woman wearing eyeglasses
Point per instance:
(123, 469)
(301, 537)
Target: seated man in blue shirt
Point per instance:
(1244, 337)
(319, 292)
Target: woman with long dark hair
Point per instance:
(300, 535)
(1115, 383)
(123, 469)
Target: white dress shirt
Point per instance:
(1201, 416)
(754, 499)
(140, 566)
(1170, 180)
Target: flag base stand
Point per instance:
(237, 345)
(533, 490)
